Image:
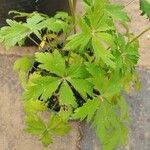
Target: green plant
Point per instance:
(79, 75)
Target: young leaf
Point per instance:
(52, 62)
(65, 113)
(116, 12)
(13, 33)
(101, 53)
(145, 7)
(22, 63)
(77, 70)
(34, 125)
(109, 129)
(78, 41)
(57, 126)
(87, 110)
(63, 16)
(22, 66)
(46, 139)
(33, 106)
(99, 6)
(66, 95)
(83, 86)
(123, 109)
(42, 87)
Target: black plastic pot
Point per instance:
(49, 7)
(20, 5)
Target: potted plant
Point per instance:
(83, 66)
(49, 7)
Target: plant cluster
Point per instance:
(83, 66)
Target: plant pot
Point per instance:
(49, 7)
(19, 5)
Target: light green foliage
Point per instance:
(44, 131)
(78, 75)
(67, 96)
(52, 63)
(33, 106)
(109, 129)
(83, 112)
(145, 7)
(116, 12)
(42, 86)
(17, 32)
(92, 30)
(22, 66)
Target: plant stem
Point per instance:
(138, 36)
(72, 11)
(33, 41)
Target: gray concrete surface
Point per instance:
(11, 115)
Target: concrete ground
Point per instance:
(12, 136)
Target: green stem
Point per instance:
(72, 10)
(138, 36)
(33, 41)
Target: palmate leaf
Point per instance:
(66, 96)
(82, 86)
(42, 87)
(17, 32)
(33, 106)
(44, 131)
(75, 76)
(108, 87)
(83, 112)
(14, 33)
(97, 11)
(77, 70)
(65, 113)
(78, 41)
(92, 34)
(57, 126)
(46, 139)
(54, 63)
(99, 49)
(117, 13)
(101, 53)
(109, 129)
(145, 7)
(34, 125)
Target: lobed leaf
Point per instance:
(42, 87)
(117, 13)
(145, 8)
(52, 62)
(66, 95)
(83, 112)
